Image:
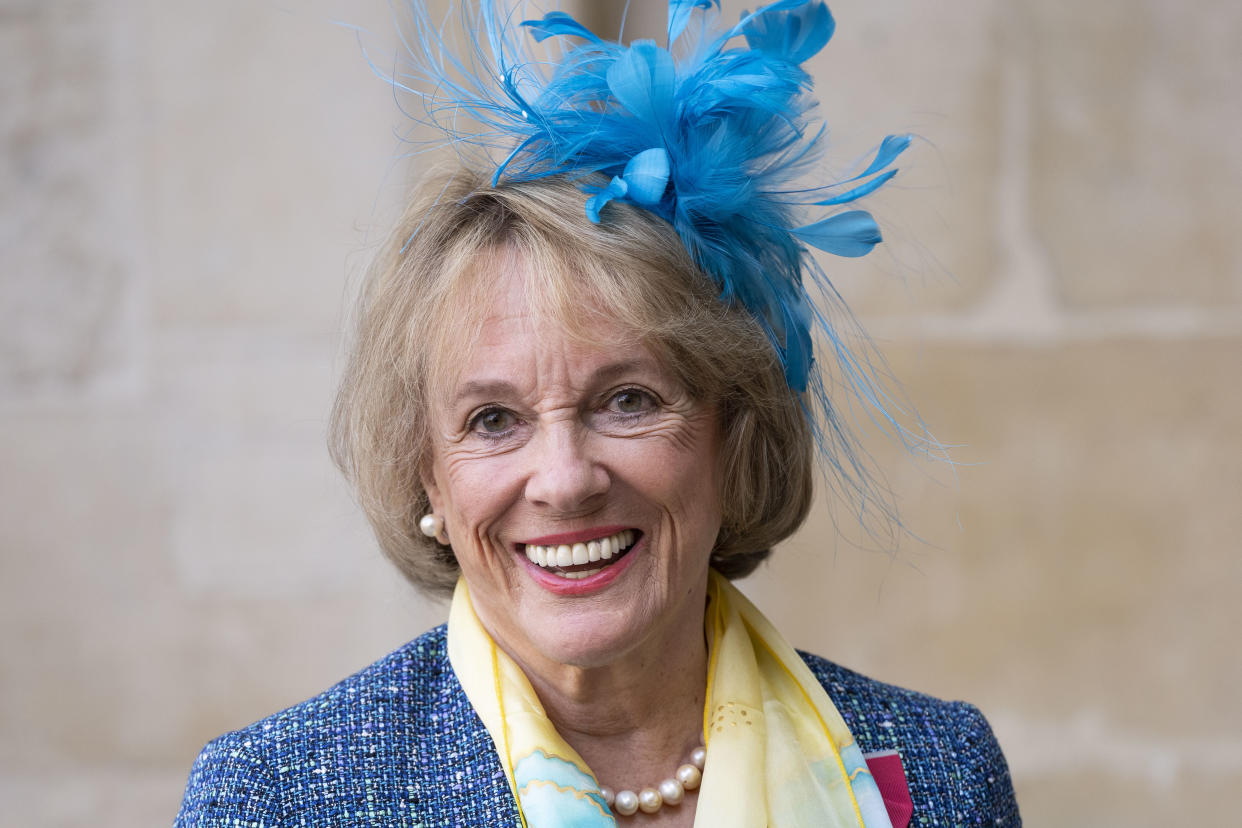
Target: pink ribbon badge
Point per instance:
(890, 778)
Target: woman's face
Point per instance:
(591, 460)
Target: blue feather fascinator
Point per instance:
(715, 134)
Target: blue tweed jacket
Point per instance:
(398, 744)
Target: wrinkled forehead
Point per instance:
(506, 294)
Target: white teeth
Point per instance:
(565, 555)
(578, 576)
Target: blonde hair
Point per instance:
(632, 266)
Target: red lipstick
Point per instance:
(581, 586)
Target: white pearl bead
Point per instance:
(672, 792)
(669, 792)
(430, 525)
(626, 803)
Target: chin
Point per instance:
(590, 633)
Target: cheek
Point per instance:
(476, 491)
(703, 487)
(700, 467)
(473, 491)
(687, 485)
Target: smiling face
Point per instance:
(579, 484)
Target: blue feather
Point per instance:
(679, 15)
(558, 23)
(646, 176)
(859, 191)
(796, 36)
(642, 80)
(852, 233)
(617, 188)
(749, 18)
(891, 147)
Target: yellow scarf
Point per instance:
(778, 752)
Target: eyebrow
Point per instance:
(495, 388)
(483, 388)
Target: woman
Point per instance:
(555, 412)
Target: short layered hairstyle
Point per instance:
(423, 301)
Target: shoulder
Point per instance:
(371, 748)
(953, 764)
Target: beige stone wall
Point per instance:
(188, 187)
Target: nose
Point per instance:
(564, 477)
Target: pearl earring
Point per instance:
(431, 525)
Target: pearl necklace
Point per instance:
(670, 791)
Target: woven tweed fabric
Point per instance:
(398, 744)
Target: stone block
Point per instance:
(69, 291)
(83, 520)
(268, 158)
(1097, 798)
(182, 567)
(1134, 194)
(68, 796)
(258, 508)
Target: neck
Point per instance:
(637, 717)
(659, 688)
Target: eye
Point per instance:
(631, 401)
(493, 421)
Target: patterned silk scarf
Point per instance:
(778, 753)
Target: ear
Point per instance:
(433, 491)
(427, 479)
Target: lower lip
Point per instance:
(581, 586)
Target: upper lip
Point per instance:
(581, 536)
